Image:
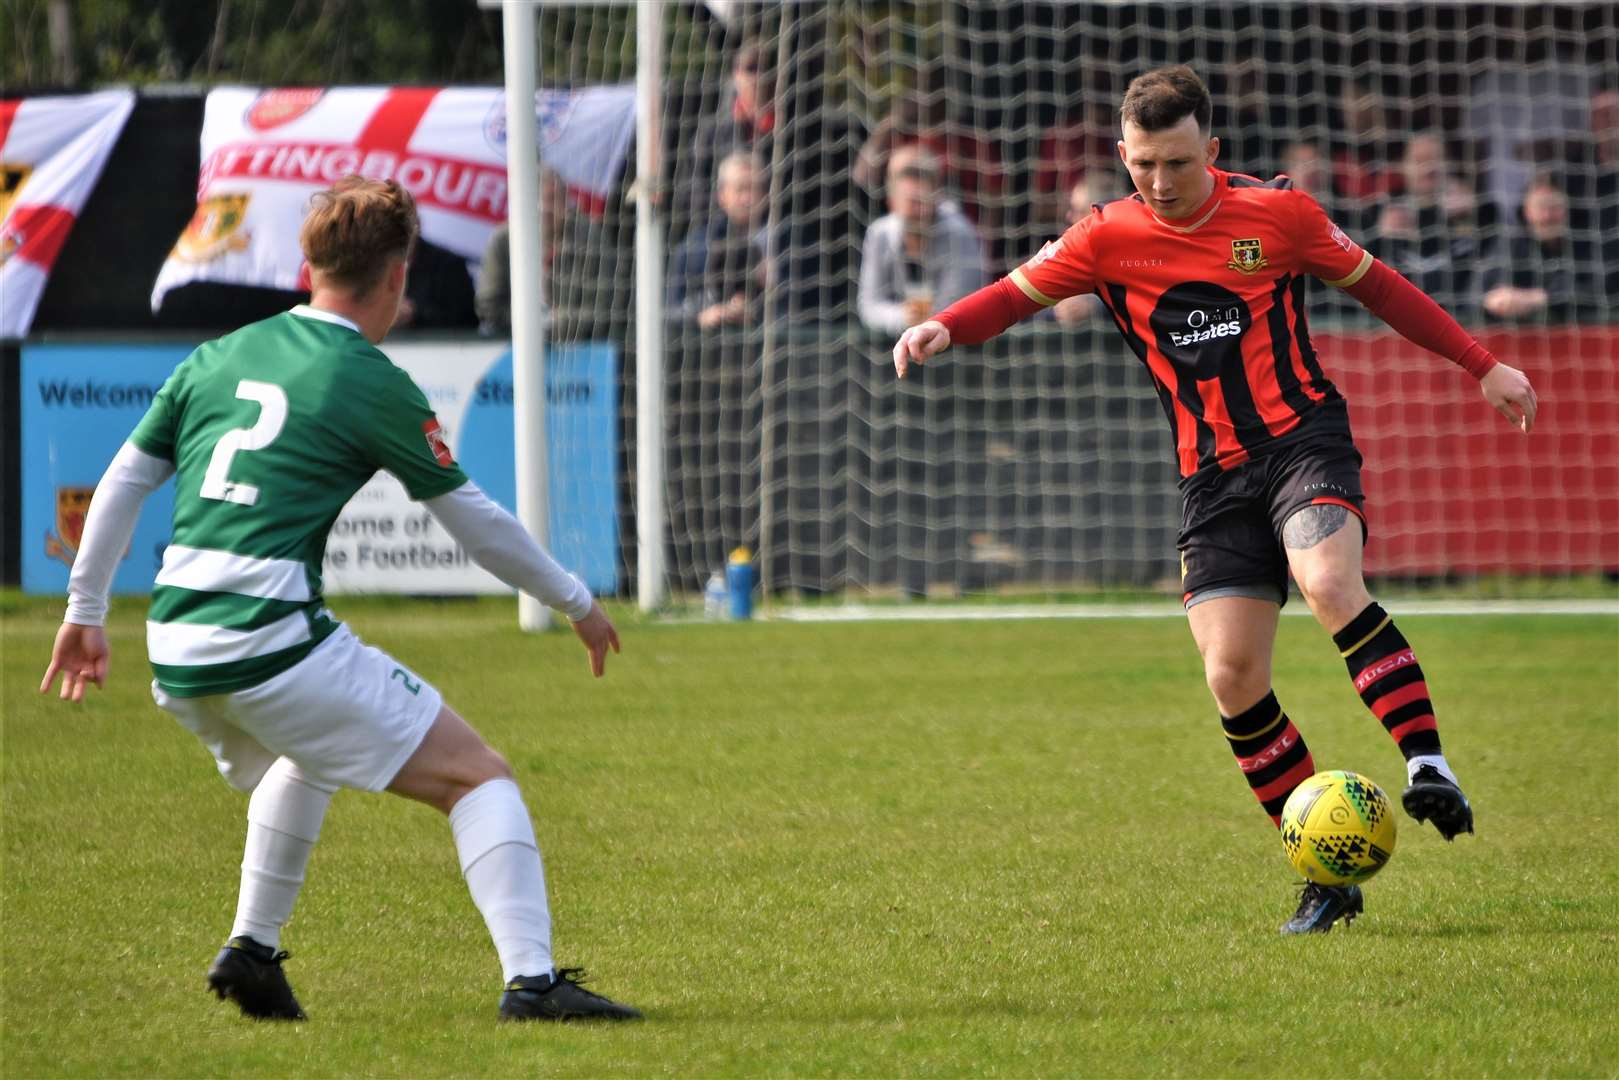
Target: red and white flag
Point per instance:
(265, 152)
(52, 150)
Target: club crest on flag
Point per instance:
(12, 179)
(215, 229)
(1247, 256)
(273, 108)
(9, 243)
(72, 504)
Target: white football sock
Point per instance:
(283, 823)
(1436, 760)
(501, 862)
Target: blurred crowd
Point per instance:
(1510, 216)
(1514, 217)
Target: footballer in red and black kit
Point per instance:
(1203, 272)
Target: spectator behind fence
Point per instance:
(1434, 230)
(1304, 163)
(922, 255)
(1096, 188)
(1594, 189)
(493, 299)
(1361, 142)
(1253, 120)
(718, 275)
(438, 292)
(968, 162)
(1548, 273)
(1082, 143)
(1522, 119)
(744, 121)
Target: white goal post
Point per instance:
(527, 230)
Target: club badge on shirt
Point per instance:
(436, 442)
(1247, 256)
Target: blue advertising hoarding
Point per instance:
(80, 401)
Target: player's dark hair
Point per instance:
(354, 228)
(1163, 97)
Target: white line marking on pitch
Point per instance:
(935, 612)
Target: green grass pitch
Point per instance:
(957, 848)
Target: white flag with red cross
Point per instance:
(266, 152)
(52, 150)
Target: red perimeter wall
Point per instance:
(1451, 487)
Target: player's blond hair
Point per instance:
(354, 228)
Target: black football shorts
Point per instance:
(1231, 525)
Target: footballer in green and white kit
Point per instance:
(268, 432)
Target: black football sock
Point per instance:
(1270, 752)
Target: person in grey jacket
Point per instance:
(922, 255)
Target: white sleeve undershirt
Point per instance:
(498, 543)
(114, 510)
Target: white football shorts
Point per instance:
(348, 715)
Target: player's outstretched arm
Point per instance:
(1509, 393)
(974, 318)
(1418, 319)
(80, 654)
(497, 542)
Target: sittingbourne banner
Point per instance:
(265, 152)
(52, 150)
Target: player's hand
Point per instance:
(80, 657)
(917, 344)
(1508, 391)
(596, 631)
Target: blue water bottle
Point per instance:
(739, 583)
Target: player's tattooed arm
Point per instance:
(1313, 524)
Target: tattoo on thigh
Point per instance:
(1313, 524)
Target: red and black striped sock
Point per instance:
(1270, 752)
(1389, 680)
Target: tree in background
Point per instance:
(66, 44)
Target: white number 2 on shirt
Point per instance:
(272, 415)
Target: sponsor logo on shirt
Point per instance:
(1341, 238)
(435, 442)
(1204, 325)
(1247, 256)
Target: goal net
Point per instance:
(1472, 147)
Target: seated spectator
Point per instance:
(493, 298)
(717, 277)
(1096, 188)
(1434, 230)
(922, 255)
(1548, 274)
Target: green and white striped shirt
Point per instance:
(271, 430)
